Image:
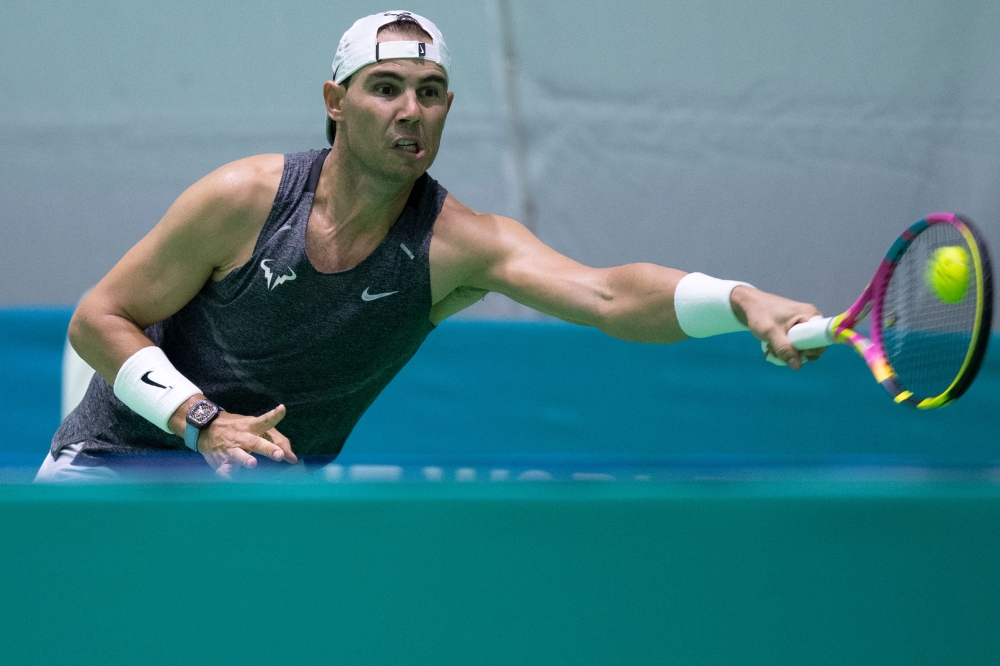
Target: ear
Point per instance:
(333, 95)
(451, 98)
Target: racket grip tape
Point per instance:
(813, 334)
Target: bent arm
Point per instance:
(202, 233)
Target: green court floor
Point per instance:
(767, 572)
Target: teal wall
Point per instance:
(783, 143)
(770, 574)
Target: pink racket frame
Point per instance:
(873, 298)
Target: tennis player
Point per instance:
(289, 290)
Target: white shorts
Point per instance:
(62, 469)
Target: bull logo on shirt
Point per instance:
(269, 275)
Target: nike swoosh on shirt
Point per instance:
(146, 380)
(365, 296)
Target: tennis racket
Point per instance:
(927, 338)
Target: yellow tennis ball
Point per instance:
(948, 273)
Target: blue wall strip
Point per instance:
(486, 388)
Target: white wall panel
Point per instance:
(783, 143)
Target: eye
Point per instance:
(429, 92)
(384, 89)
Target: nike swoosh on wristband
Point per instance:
(365, 296)
(146, 380)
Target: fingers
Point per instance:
(242, 458)
(265, 422)
(264, 447)
(227, 444)
(802, 356)
(785, 350)
(770, 317)
(806, 355)
(780, 350)
(227, 462)
(769, 355)
(282, 442)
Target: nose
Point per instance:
(409, 112)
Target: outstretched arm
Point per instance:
(632, 302)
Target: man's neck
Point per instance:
(352, 202)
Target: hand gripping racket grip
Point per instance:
(813, 334)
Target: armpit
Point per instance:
(470, 292)
(456, 301)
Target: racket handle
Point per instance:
(813, 334)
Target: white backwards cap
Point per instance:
(360, 46)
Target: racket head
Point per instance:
(924, 350)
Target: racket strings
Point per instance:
(927, 339)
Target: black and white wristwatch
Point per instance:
(199, 416)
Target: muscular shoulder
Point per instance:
(468, 236)
(227, 208)
(465, 243)
(240, 189)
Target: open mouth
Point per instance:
(411, 146)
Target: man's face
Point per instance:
(392, 114)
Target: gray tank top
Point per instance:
(278, 331)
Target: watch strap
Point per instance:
(191, 437)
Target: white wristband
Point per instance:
(152, 387)
(703, 308)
